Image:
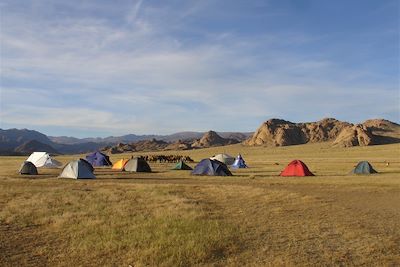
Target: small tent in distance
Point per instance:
(77, 169)
(239, 163)
(98, 159)
(43, 159)
(296, 168)
(28, 168)
(224, 158)
(212, 168)
(119, 165)
(363, 167)
(181, 165)
(137, 165)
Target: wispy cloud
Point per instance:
(133, 13)
(138, 66)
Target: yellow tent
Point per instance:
(119, 165)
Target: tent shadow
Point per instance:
(146, 178)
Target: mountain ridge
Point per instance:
(185, 135)
(273, 132)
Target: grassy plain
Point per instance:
(169, 218)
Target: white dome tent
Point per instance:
(43, 159)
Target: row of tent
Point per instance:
(82, 168)
(44, 160)
(214, 166)
(98, 159)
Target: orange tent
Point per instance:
(296, 168)
(119, 165)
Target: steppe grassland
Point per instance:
(171, 218)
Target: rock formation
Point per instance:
(211, 139)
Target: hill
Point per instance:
(33, 145)
(277, 132)
(144, 145)
(12, 139)
(23, 141)
(211, 139)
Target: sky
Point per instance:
(99, 68)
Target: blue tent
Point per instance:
(98, 159)
(239, 163)
(211, 167)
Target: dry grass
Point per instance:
(169, 218)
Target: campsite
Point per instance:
(199, 133)
(172, 218)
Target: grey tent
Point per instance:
(77, 169)
(181, 165)
(137, 165)
(212, 168)
(363, 167)
(28, 168)
(224, 158)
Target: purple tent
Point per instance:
(211, 167)
(98, 159)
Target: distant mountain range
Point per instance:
(129, 138)
(24, 141)
(274, 132)
(208, 139)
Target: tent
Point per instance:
(77, 169)
(212, 168)
(296, 168)
(84, 161)
(28, 168)
(363, 167)
(181, 165)
(119, 165)
(137, 165)
(43, 159)
(224, 158)
(98, 159)
(239, 162)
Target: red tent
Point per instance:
(296, 168)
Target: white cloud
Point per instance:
(137, 74)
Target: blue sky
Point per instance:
(99, 68)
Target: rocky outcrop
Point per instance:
(323, 130)
(150, 145)
(211, 139)
(357, 135)
(276, 132)
(178, 145)
(119, 148)
(145, 145)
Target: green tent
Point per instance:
(181, 166)
(363, 167)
